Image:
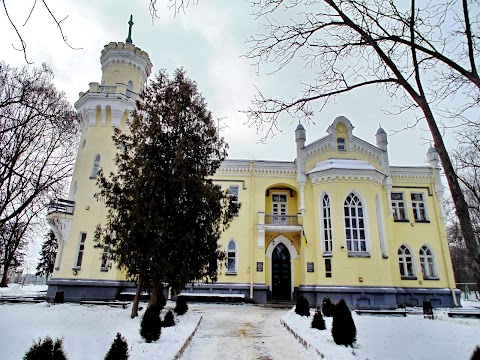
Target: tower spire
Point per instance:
(130, 24)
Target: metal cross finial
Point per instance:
(130, 24)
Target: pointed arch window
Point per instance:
(95, 167)
(427, 262)
(355, 232)
(327, 225)
(405, 262)
(231, 257)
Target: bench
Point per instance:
(204, 296)
(123, 304)
(21, 299)
(392, 312)
(464, 313)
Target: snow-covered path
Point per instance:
(241, 332)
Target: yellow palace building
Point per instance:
(338, 221)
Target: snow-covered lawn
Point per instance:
(393, 337)
(89, 330)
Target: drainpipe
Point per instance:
(252, 242)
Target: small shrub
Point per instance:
(344, 331)
(181, 306)
(168, 320)
(118, 350)
(151, 325)
(476, 354)
(46, 350)
(318, 322)
(327, 307)
(303, 307)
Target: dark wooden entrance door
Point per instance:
(281, 273)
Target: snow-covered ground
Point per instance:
(89, 330)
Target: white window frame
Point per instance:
(398, 205)
(353, 225)
(427, 262)
(280, 218)
(233, 194)
(229, 251)
(326, 224)
(105, 263)
(405, 258)
(80, 251)
(95, 166)
(418, 206)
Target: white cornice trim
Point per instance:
(346, 175)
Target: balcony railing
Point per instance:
(281, 220)
(107, 89)
(61, 206)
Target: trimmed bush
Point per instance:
(169, 319)
(318, 322)
(46, 350)
(327, 307)
(303, 307)
(118, 350)
(181, 306)
(476, 354)
(344, 331)
(151, 325)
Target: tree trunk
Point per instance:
(6, 266)
(461, 207)
(136, 300)
(155, 290)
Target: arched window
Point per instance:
(427, 262)
(231, 257)
(354, 224)
(327, 225)
(405, 261)
(130, 85)
(95, 167)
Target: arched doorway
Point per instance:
(281, 273)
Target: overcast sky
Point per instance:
(208, 41)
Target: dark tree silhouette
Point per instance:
(118, 350)
(46, 350)
(318, 322)
(344, 331)
(165, 214)
(302, 307)
(47, 255)
(151, 325)
(327, 307)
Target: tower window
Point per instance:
(95, 167)
(81, 249)
(341, 144)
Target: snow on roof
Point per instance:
(349, 164)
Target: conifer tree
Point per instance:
(327, 307)
(151, 325)
(344, 331)
(47, 255)
(118, 350)
(302, 307)
(181, 306)
(318, 322)
(165, 215)
(169, 319)
(476, 354)
(46, 350)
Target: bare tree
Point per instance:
(29, 11)
(177, 6)
(38, 139)
(14, 238)
(421, 54)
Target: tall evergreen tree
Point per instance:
(344, 331)
(47, 255)
(165, 214)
